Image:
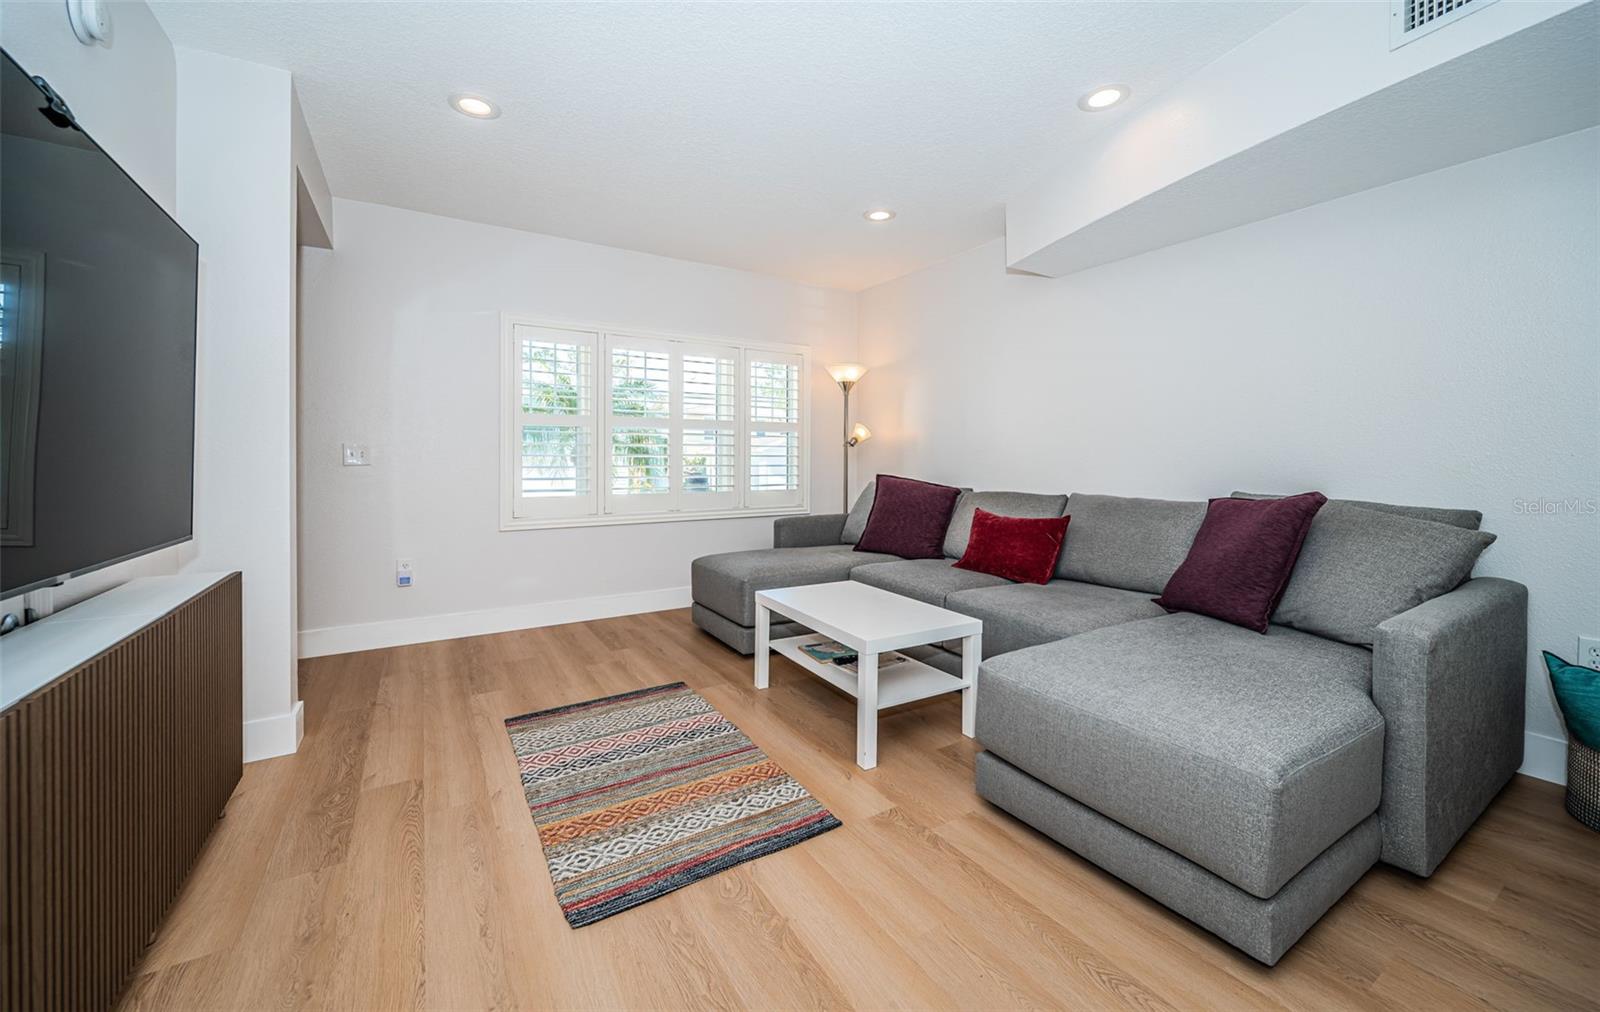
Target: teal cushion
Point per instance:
(1578, 694)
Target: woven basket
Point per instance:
(1583, 783)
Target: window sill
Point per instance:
(620, 519)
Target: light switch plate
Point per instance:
(356, 455)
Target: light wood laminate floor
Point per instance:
(391, 863)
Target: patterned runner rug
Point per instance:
(638, 794)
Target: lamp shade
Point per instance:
(847, 372)
(860, 434)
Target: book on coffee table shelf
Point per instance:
(834, 652)
(830, 652)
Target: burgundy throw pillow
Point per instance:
(1241, 558)
(1021, 549)
(908, 518)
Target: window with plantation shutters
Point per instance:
(613, 427)
(553, 426)
(708, 460)
(671, 426)
(773, 382)
(638, 451)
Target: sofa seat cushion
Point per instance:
(1022, 615)
(1249, 754)
(727, 583)
(930, 580)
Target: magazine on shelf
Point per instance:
(829, 652)
(834, 652)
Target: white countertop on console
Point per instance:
(40, 652)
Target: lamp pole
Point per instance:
(845, 385)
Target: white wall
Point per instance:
(125, 98)
(236, 188)
(1435, 341)
(400, 336)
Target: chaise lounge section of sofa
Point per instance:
(1246, 781)
(805, 550)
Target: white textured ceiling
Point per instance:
(747, 135)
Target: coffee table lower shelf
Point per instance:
(905, 682)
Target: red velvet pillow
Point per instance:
(908, 518)
(1022, 549)
(1241, 558)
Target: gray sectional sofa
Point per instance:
(1244, 780)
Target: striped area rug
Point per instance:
(638, 794)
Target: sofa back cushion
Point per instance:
(1465, 519)
(1135, 544)
(856, 521)
(909, 518)
(1005, 504)
(1361, 566)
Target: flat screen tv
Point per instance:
(97, 352)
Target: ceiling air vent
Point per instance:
(1412, 19)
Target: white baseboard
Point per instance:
(280, 734)
(344, 639)
(1544, 757)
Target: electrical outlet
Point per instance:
(356, 455)
(1589, 651)
(402, 573)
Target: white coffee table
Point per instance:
(871, 621)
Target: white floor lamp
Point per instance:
(847, 374)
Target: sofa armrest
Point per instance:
(1448, 676)
(809, 531)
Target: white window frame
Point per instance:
(604, 508)
(515, 507)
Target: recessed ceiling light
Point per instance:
(881, 214)
(1103, 98)
(475, 106)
